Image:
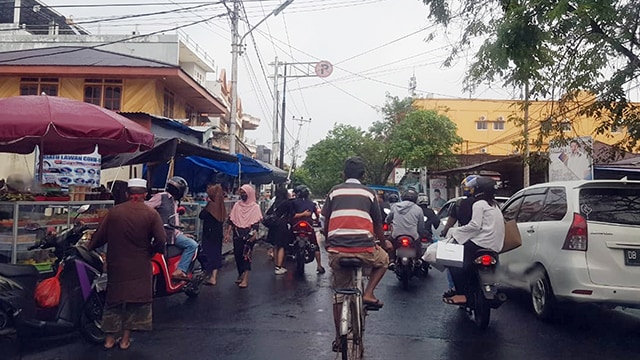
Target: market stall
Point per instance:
(56, 126)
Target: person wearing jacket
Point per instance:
(407, 218)
(134, 233)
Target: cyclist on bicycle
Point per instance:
(353, 222)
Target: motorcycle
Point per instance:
(83, 290)
(302, 249)
(164, 264)
(483, 288)
(408, 262)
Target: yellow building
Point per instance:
(491, 126)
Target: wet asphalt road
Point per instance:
(288, 318)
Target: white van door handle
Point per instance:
(530, 230)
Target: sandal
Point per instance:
(110, 346)
(451, 301)
(373, 304)
(449, 293)
(335, 346)
(123, 346)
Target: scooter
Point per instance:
(408, 262)
(483, 288)
(83, 290)
(164, 264)
(302, 249)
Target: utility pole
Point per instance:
(275, 144)
(296, 146)
(236, 50)
(284, 112)
(527, 151)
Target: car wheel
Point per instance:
(542, 297)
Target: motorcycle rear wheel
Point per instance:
(481, 310)
(91, 318)
(192, 289)
(300, 262)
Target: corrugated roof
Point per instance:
(75, 56)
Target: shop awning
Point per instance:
(164, 150)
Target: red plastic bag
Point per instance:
(47, 294)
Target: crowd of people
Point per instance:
(353, 227)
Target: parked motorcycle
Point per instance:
(483, 288)
(302, 249)
(408, 263)
(83, 290)
(164, 264)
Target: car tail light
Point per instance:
(405, 242)
(485, 260)
(385, 227)
(577, 236)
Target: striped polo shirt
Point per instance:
(352, 213)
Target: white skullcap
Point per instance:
(141, 183)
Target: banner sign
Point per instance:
(66, 170)
(572, 161)
(437, 192)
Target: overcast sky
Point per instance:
(354, 35)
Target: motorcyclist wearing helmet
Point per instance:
(393, 198)
(484, 231)
(304, 210)
(461, 211)
(432, 219)
(166, 203)
(407, 218)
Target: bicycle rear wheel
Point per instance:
(352, 344)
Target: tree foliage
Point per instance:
(561, 48)
(425, 138)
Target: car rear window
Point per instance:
(611, 205)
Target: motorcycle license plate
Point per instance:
(632, 257)
(406, 252)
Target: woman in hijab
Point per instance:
(279, 234)
(213, 216)
(244, 220)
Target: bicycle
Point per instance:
(353, 313)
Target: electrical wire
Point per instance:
(112, 42)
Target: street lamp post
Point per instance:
(236, 50)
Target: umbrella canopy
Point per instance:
(65, 126)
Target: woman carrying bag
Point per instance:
(279, 233)
(244, 221)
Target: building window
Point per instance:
(565, 125)
(37, 86)
(498, 125)
(104, 92)
(481, 125)
(169, 101)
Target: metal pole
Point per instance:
(235, 50)
(284, 103)
(275, 144)
(527, 173)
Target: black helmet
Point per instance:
(177, 187)
(301, 191)
(410, 195)
(423, 200)
(393, 198)
(483, 186)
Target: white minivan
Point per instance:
(580, 242)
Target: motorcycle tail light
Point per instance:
(425, 240)
(385, 227)
(485, 260)
(303, 225)
(405, 242)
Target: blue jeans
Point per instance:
(188, 247)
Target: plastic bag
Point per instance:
(47, 293)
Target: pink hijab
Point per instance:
(246, 213)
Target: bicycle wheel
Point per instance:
(358, 331)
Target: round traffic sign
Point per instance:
(323, 69)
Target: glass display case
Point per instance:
(49, 215)
(190, 220)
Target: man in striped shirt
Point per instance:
(352, 224)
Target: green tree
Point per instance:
(325, 159)
(560, 48)
(425, 138)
